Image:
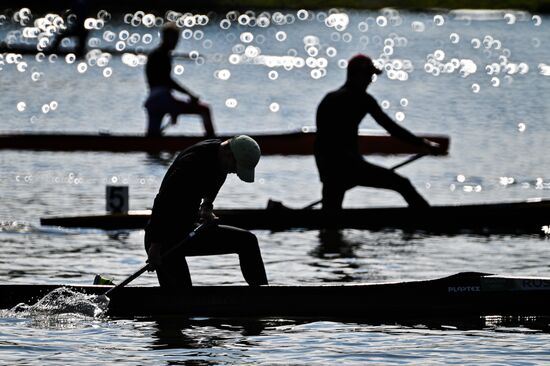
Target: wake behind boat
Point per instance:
(509, 217)
(461, 295)
(298, 142)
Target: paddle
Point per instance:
(409, 160)
(403, 163)
(138, 273)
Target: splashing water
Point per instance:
(16, 227)
(65, 301)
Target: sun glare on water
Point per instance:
(250, 38)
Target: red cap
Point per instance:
(362, 63)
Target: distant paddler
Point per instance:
(341, 166)
(186, 196)
(74, 27)
(160, 101)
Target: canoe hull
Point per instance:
(31, 49)
(294, 143)
(514, 217)
(460, 295)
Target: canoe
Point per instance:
(460, 295)
(298, 142)
(510, 217)
(30, 49)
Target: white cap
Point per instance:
(247, 154)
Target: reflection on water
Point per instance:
(120, 236)
(161, 158)
(197, 334)
(253, 342)
(333, 244)
(347, 342)
(336, 255)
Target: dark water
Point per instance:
(498, 153)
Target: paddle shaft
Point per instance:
(397, 166)
(166, 254)
(409, 160)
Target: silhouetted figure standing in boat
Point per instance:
(74, 27)
(161, 84)
(341, 166)
(186, 196)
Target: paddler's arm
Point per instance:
(176, 86)
(396, 130)
(211, 192)
(206, 212)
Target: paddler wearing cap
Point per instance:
(339, 162)
(186, 196)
